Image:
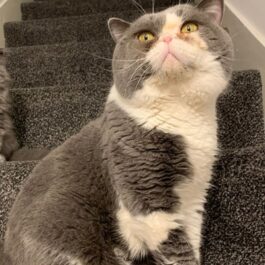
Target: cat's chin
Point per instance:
(169, 72)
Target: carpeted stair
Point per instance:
(63, 8)
(59, 60)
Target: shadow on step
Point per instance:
(26, 154)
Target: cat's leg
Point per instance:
(176, 250)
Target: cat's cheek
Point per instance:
(195, 40)
(156, 55)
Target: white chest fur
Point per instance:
(170, 112)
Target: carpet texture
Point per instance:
(60, 30)
(60, 64)
(63, 112)
(58, 58)
(61, 8)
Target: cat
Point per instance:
(130, 187)
(8, 141)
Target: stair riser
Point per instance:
(50, 9)
(62, 30)
(47, 116)
(74, 63)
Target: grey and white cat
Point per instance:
(8, 142)
(130, 187)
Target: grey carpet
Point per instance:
(60, 64)
(60, 30)
(45, 117)
(60, 83)
(52, 9)
(12, 175)
(234, 227)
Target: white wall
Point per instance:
(9, 11)
(246, 23)
(252, 14)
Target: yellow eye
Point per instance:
(146, 37)
(189, 27)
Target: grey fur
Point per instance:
(8, 142)
(129, 70)
(66, 210)
(69, 202)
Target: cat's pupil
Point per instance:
(188, 28)
(146, 37)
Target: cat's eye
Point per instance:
(189, 27)
(146, 37)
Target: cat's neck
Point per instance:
(166, 105)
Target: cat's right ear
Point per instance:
(117, 27)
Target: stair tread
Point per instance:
(60, 64)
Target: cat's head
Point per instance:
(179, 43)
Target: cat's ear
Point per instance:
(214, 8)
(117, 27)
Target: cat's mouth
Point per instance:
(168, 59)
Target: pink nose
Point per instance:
(167, 39)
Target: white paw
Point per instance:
(2, 159)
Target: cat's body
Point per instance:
(130, 187)
(8, 142)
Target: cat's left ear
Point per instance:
(117, 27)
(214, 8)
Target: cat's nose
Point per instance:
(167, 39)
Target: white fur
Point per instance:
(146, 231)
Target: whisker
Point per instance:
(139, 50)
(142, 76)
(130, 65)
(138, 6)
(135, 71)
(153, 6)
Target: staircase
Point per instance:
(58, 58)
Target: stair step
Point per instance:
(235, 209)
(48, 9)
(144, 3)
(64, 64)
(60, 30)
(12, 175)
(45, 117)
(240, 112)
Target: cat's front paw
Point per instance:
(2, 159)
